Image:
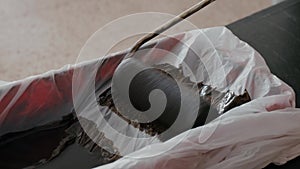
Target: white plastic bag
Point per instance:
(253, 135)
(260, 132)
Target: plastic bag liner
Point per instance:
(61, 107)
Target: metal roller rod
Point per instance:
(168, 25)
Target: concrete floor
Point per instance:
(37, 36)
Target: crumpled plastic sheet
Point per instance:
(262, 131)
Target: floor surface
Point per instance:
(38, 36)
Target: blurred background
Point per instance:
(38, 36)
